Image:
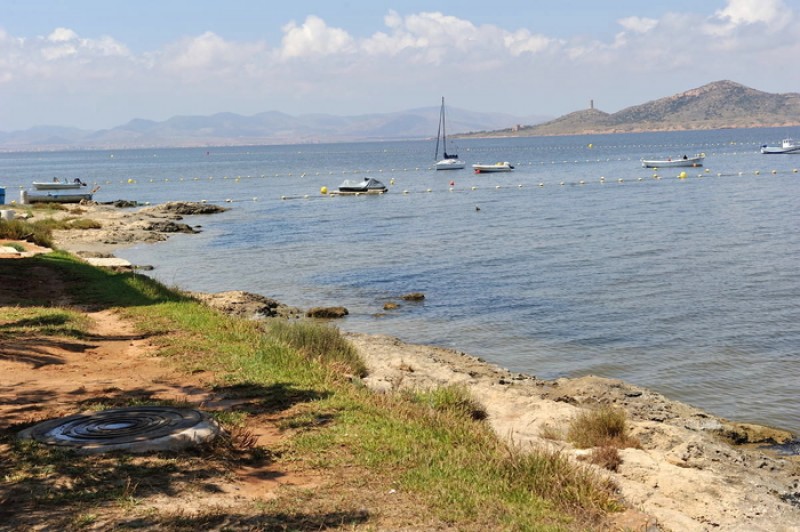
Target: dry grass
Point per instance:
(604, 426)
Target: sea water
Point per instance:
(580, 261)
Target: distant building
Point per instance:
(591, 104)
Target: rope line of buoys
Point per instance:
(151, 181)
(450, 187)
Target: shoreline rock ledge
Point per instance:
(694, 472)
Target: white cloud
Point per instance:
(740, 12)
(741, 17)
(436, 38)
(406, 58)
(638, 24)
(208, 55)
(314, 39)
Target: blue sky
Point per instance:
(97, 64)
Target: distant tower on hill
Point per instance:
(591, 104)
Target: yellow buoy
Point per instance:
(682, 175)
(323, 190)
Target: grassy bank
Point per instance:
(407, 460)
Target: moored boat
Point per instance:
(787, 146)
(54, 196)
(693, 161)
(496, 167)
(450, 160)
(57, 184)
(368, 186)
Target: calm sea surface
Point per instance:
(579, 262)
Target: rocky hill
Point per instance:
(722, 104)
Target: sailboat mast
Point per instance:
(444, 132)
(438, 135)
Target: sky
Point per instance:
(97, 64)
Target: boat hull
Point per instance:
(487, 168)
(450, 164)
(690, 162)
(39, 185)
(54, 197)
(788, 146)
(367, 186)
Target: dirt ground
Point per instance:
(687, 476)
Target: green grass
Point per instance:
(37, 233)
(40, 232)
(24, 321)
(16, 246)
(433, 445)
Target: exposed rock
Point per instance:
(390, 305)
(247, 305)
(121, 204)
(186, 208)
(168, 226)
(414, 296)
(327, 312)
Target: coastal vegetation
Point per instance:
(40, 230)
(425, 458)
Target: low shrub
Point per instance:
(603, 426)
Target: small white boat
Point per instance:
(367, 186)
(693, 161)
(450, 160)
(496, 167)
(56, 184)
(787, 146)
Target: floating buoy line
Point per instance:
(466, 183)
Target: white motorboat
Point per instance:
(450, 160)
(367, 186)
(496, 167)
(693, 161)
(57, 184)
(787, 146)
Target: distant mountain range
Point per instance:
(722, 104)
(230, 129)
(718, 105)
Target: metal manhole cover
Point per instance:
(134, 429)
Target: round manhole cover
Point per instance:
(134, 429)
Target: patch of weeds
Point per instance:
(599, 427)
(84, 520)
(319, 342)
(451, 399)
(16, 246)
(606, 457)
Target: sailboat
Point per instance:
(450, 160)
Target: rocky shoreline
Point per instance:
(694, 471)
